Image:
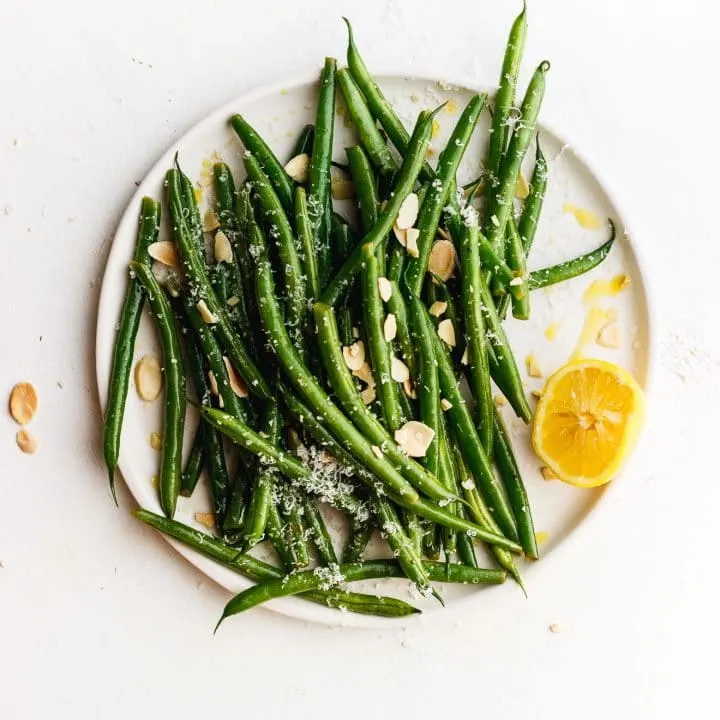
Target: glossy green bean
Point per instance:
(321, 536)
(304, 143)
(396, 305)
(515, 256)
(360, 534)
(532, 206)
(366, 191)
(194, 464)
(303, 227)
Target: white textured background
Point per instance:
(100, 618)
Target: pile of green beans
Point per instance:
(321, 356)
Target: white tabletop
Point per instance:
(100, 618)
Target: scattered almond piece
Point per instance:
(446, 331)
(554, 628)
(500, 400)
(407, 215)
(438, 308)
(385, 288)
(609, 336)
(390, 327)
(400, 235)
(237, 384)
(232, 301)
(155, 441)
(364, 373)
(165, 252)
(536, 393)
(27, 442)
(210, 221)
(399, 370)
(548, 474)
(148, 378)
(442, 259)
(494, 220)
(213, 383)
(533, 369)
(342, 189)
(205, 313)
(354, 355)
(445, 404)
(378, 452)
(23, 403)
(355, 332)
(522, 189)
(411, 238)
(222, 248)
(409, 389)
(298, 168)
(205, 518)
(368, 395)
(414, 438)
(465, 359)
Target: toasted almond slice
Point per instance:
(155, 441)
(236, 382)
(342, 189)
(385, 288)
(378, 452)
(364, 373)
(442, 259)
(23, 403)
(222, 248)
(522, 190)
(500, 400)
(368, 395)
(445, 404)
(465, 359)
(400, 235)
(390, 327)
(554, 628)
(205, 313)
(232, 301)
(298, 168)
(446, 331)
(27, 442)
(213, 383)
(355, 332)
(210, 222)
(165, 252)
(411, 238)
(148, 378)
(409, 389)
(407, 215)
(438, 308)
(354, 355)
(205, 518)
(609, 336)
(548, 474)
(533, 369)
(399, 370)
(414, 438)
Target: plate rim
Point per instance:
(295, 607)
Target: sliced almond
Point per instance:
(27, 442)
(446, 331)
(409, 389)
(222, 248)
(364, 373)
(536, 393)
(400, 235)
(165, 252)
(548, 474)
(414, 438)
(609, 336)
(205, 313)
(407, 215)
(210, 222)
(212, 380)
(411, 238)
(465, 359)
(445, 404)
(378, 452)
(533, 369)
(342, 189)
(23, 403)
(236, 382)
(390, 327)
(442, 259)
(500, 400)
(232, 301)
(205, 518)
(385, 288)
(298, 168)
(354, 355)
(399, 370)
(148, 378)
(522, 190)
(155, 441)
(438, 308)
(368, 395)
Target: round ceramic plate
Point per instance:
(551, 335)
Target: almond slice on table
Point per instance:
(407, 215)
(414, 438)
(222, 248)
(165, 252)
(205, 518)
(27, 442)
(354, 355)
(399, 370)
(411, 238)
(446, 332)
(23, 403)
(210, 222)
(442, 259)
(148, 378)
(298, 168)
(385, 288)
(237, 384)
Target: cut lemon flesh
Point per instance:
(588, 421)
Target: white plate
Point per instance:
(279, 113)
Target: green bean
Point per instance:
(281, 182)
(295, 530)
(125, 342)
(191, 214)
(439, 290)
(572, 268)
(359, 537)
(365, 185)
(262, 572)
(304, 142)
(319, 532)
(303, 227)
(278, 228)
(201, 290)
(174, 408)
(438, 191)
(194, 464)
(404, 186)
(275, 530)
(343, 238)
(519, 143)
(466, 550)
(514, 486)
(431, 541)
(504, 100)
(396, 306)
(319, 178)
(364, 122)
(449, 478)
(534, 201)
(515, 256)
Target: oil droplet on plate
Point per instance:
(585, 218)
(551, 330)
(606, 288)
